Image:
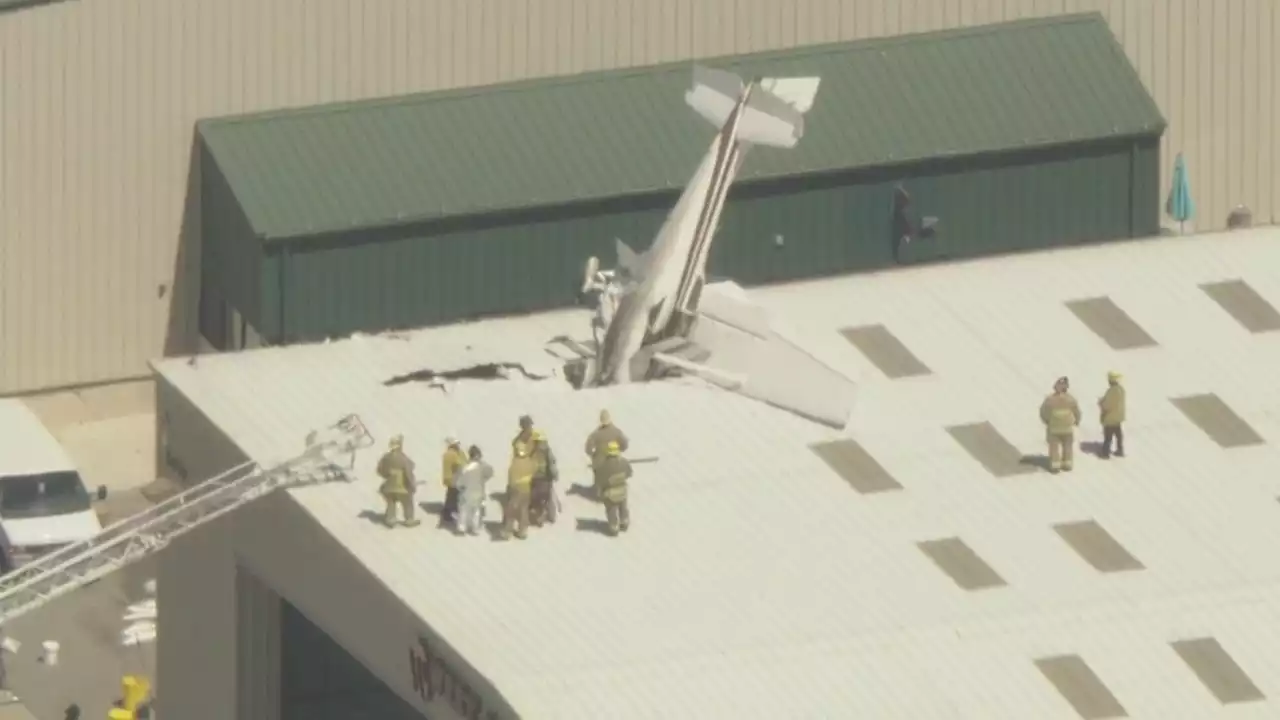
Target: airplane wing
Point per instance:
(735, 347)
(629, 260)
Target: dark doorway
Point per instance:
(319, 680)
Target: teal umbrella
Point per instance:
(1179, 205)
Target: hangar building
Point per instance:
(100, 213)
(918, 564)
(456, 205)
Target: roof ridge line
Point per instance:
(590, 77)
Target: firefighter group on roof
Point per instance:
(531, 497)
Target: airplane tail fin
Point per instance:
(774, 114)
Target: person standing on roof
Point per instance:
(452, 461)
(398, 483)
(470, 483)
(611, 475)
(519, 487)
(1113, 416)
(543, 499)
(525, 436)
(598, 442)
(1060, 414)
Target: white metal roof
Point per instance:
(757, 583)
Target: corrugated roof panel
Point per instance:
(546, 142)
(753, 582)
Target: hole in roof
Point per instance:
(484, 371)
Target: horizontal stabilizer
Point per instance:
(726, 380)
(777, 370)
(774, 114)
(726, 302)
(799, 93)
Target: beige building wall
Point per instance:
(100, 231)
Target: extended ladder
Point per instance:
(81, 563)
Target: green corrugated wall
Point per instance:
(430, 275)
(232, 256)
(1146, 186)
(375, 280)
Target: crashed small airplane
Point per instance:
(658, 316)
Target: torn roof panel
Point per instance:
(738, 505)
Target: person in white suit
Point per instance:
(471, 481)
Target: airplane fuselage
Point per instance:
(673, 273)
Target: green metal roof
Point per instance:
(887, 101)
(8, 5)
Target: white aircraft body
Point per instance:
(657, 313)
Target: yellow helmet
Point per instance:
(613, 449)
(1113, 376)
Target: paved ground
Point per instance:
(15, 711)
(110, 434)
(92, 659)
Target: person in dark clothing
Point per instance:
(902, 229)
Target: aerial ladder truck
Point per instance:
(329, 455)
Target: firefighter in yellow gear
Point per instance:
(542, 503)
(135, 693)
(1112, 409)
(519, 489)
(453, 460)
(398, 483)
(598, 441)
(1060, 414)
(525, 436)
(611, 475)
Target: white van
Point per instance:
(43, 501)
